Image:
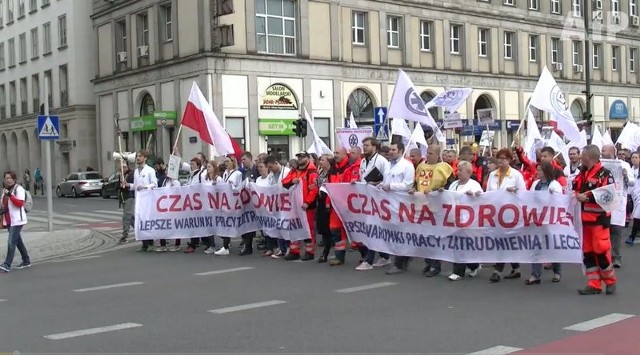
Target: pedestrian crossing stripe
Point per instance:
(48, 129)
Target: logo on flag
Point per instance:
(449, 98)
(353, 141)
(606, 198)
(414, 102)
(558, 100)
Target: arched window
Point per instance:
(577, 111)
(426, 97)
(148, 105)
(361, 105)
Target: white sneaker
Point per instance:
(209, 251)
(474, 273)
(455, 277)
(222, 252)
(161, 249)
(382, 262)
(364, 266)
(173, 249)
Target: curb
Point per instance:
(93, 242)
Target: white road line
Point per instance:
(115, 213)
(245, 307)
(106, 287)
(497, 350)
(45, 220)
(78, 258)
(598, 322)
(101, 216)
(2, 300)
(91, 331)
(216, 272)
(366, 287)
(75, 218)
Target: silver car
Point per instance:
(81, 183)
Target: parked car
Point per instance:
(110, 185)
(81, 183)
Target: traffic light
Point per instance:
(300, 128)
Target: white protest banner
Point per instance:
(617, 170)
(202, 210)
(527, 227)
(486, 116)
(173, 169)
(486, 140)
(452, 121)
(352, 137)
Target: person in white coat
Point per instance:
(634, 193)
(212, 177)
(14, 217)
(232, 176)
(144, 177)
(169, 183)
(198, 176)
(400, 177)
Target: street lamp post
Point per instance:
(587, 61)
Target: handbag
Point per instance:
(374, 175)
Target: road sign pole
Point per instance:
(47, 144)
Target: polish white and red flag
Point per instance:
(199, 116)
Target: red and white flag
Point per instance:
(199, 116)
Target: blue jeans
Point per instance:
(536, 269)
(282, 245)
(15, 240)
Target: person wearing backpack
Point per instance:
(14, 217)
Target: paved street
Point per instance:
(122, 301)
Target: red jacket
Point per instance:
(346, 171)
(530, 170)
(308, 178)
(588, 180)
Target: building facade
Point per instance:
(46, 41)
(260, 61)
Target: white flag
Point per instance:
(548, 97)
(556, 142)
(533, 141)
(580, 143)
(406, 102)
(399, 127)
(606, 138)
(451, 99)
(608, 198)
(352, 121)
(417, 141)
(596, 137)
(352, 137)
(630, 136)
(318, 146)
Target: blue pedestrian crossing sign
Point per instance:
(48, 128)
(380, 124)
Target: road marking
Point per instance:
(245, 307)
(106, 287)
(216, 272)
(115, 213)
(72, 216)
(91, 331)
(598, 322)
(78, 258)
(366, 287)
(98, 215)
(497, 350)
(2, 300)
(45, 220)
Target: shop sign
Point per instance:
(153, 121)
(165, 118)
(618, 110)
(278, 97)
(275, 127)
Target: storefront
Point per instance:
(278, 109)
(618, 114)
(153, 132)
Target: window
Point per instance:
(3, 102)
(595, 61)
(47, 82)
(46, 38)
(533, 48)
(575, 8)
(276, 26)
(21, 9)
(10, 9)
(508, 44)
(62, 31)
(615, 6)
(555, 50)
(121, 36)
(555, 7)
(533, 5)
(1, 13)
(322, 125)
(615, 54)
(393, 32)
(24, 106)
(34, 43)
(358, 29)
(45, 3)
(143, 29)
(509, 2)
(168, 22)
(64, 93)
(235, 127)
(35, 92)
(23, 48)
(577, 53)
(12, 52)
(2, 56)
(633, 8)
(455, 38)
(632, 59)
(425, 35)
(483, 33)
(33, 5)
(12, 98)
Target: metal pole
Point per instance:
(47, 144)
(587, 59)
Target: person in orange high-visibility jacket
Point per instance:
(596, 240)
(346, 170)
(307, 175)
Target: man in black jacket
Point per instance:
(249, 172)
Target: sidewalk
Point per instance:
(45, 246)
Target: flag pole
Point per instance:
(526, 114)
(175, 144)
(118, 133)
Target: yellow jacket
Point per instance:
(432, 176)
